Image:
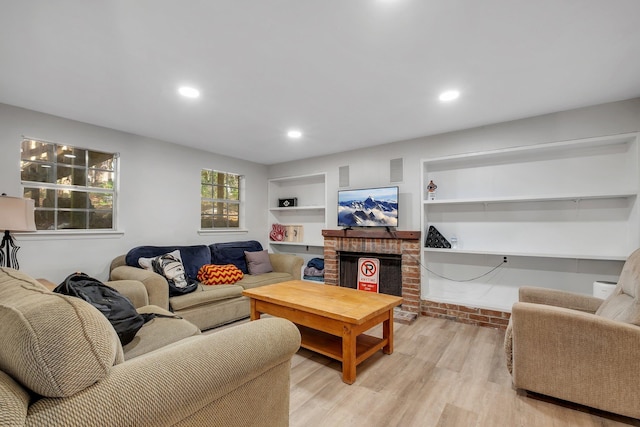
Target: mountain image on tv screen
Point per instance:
(370, 207)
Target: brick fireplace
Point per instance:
(381, 242)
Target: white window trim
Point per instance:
(241, 209)
(69, 234)
(79, 233)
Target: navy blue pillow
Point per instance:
(233, 253)
(193, 257)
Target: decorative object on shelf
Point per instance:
(294, 233)
(277, 232)
(454, 242)
(288, 203)
(431, 190)
(16, 214)
(436, 240)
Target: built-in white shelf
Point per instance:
(567, 212)
(539, 198)
(298, 208)
(310, 192)
(310, 244)
(529, 254)
(525, 152)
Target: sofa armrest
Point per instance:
(576, 356)
(287, 263)
(237, 376)
(156, 285)
(14, 402)
(117, 262)
(554, 297)
(132, 289)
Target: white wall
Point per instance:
(159, 194)
(370, 167)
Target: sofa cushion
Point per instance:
(623, 304)
(14, 402)
(258, 262)
(60, 345)
(213, 274)
(158, 332)
(205, 295)
(193, 257)
(233, 253)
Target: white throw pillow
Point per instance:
(169, 265)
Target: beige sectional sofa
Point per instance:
(62, 365)
(210, 305)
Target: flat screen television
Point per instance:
(368, 207)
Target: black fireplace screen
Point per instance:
(390, 279)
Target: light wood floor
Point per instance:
(441, 373)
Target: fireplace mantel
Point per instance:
(372, 234)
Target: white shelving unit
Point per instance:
(310, 212)
(564, 214)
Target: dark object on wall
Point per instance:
(436, 240)
(115, 306)
(287, 203)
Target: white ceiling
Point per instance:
(348, 73)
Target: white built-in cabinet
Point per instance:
(561, 214)
(310, 191)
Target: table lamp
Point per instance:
(16, 214)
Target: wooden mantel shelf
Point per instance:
(378, 233)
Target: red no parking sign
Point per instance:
(368, 273)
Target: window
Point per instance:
(73, 188)
(220, 199)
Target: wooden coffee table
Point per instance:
(331, 319)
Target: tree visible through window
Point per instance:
(73, 188)
(220, 199)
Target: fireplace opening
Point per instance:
(390, 276)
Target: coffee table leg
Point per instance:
(387, 333)
(348, 355)
(255, 315)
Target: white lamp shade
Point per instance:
(17, 214)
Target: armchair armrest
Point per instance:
(132, 289)
(576, 356)
(156, 285)
(287, 263)
(238, 376)
(573, 301)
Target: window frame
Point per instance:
(55, 187)
(240, 203)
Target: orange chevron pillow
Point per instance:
(212, 274)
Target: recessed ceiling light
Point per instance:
(189, 92)
(449, 95)
(69, 156)
(294, 134)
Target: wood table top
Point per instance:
(334, 302)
